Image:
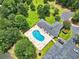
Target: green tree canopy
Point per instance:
(56, 11)
(47, 10)
(13, 15)
(4, 12)
(40, 11)
(20, 1)
(4, 23)
(57, 18)
(8, 3)
(43, 11)
(66, 25)
(1, 1)
(20, 22)
(76, 16)
(72, 4)
(45, 1)
(7, 38)
(22, 9)
(29, 2)
(24, 49)
(32, 7)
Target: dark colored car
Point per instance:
(61, 41)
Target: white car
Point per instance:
(77, 51)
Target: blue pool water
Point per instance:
(37, 35)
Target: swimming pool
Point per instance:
(37, 35)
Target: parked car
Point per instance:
(61, 41)
(77, 51)
(74, 39)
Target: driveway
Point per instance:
(66, 52)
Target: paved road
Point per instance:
(5, 56)
(62, 52)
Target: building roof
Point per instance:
(62, 51)
(53, 29)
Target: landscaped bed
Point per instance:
(65, 36)
(46, 48)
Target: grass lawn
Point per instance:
(32, 18)
(44, 51)
(38, 2)
(50, 19)
(65, 36)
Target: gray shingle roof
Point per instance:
(66, 52)
(53, 29)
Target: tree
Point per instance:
(32, 7)
(43, 11)
(24, 49)
(22, 9)
(4, 23)
(57, 18)
(76, 16)
(76, 5)
(29, 2)
(8, 7)
(66, 25)
(56, 11)
(1, 1)
(51, 0)
(77, 42)
(8, 37)
(8, 3)
(46, 10)
(4, 12)
(20, 1)
(20, 22)
(11, 17)
(40, 11)
(45, 1)
(72, 4)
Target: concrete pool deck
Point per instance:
(38, 44)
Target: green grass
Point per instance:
(50, 19)
(44, 51)
(32, 18)
(38, 2)
(65, 36)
